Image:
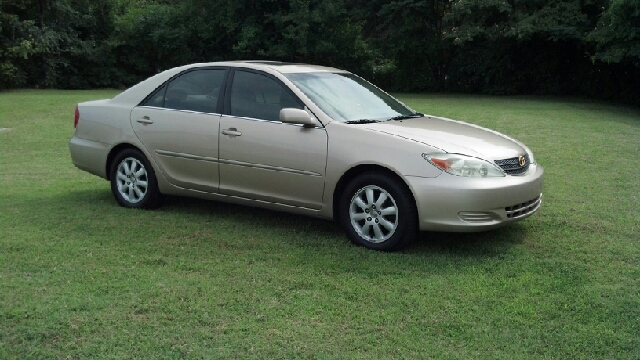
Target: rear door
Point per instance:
(179, 126)
(262, 158)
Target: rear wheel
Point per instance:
(133, 181)
(378, 212)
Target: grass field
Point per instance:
(81, 277)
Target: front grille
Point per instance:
(511, 166)
(524, 208)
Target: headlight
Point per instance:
(462, 165)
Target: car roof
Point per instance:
(279, 66)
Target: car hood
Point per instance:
(452, 136)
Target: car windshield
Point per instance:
(348, 98)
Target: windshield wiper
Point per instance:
(361, 121)
(403, 117)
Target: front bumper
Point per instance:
(454, 203)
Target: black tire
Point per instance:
(133, 181)
(389, 222)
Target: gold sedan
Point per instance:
(306, 139)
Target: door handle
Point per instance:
(231, 132)
(145, 120)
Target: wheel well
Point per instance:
(113, 153)
(353, 173)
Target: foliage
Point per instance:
(617, 34)
(57, 43)
(19, 44)
(575, 47)
(517, 47)
(149, 39)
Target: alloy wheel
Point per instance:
(374, 214)
(132, 180)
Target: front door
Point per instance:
(262, 158)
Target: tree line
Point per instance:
(552, 47)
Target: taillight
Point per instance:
(76, 118)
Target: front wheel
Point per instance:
(378, 212)
(133, 181)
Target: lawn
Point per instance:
(81, 277)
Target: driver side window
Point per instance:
(260, 97)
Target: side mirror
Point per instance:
(297, 116)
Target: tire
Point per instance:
(133, 181)
(378, 212)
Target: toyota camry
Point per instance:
(305, 139)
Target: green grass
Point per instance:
(81, 277)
